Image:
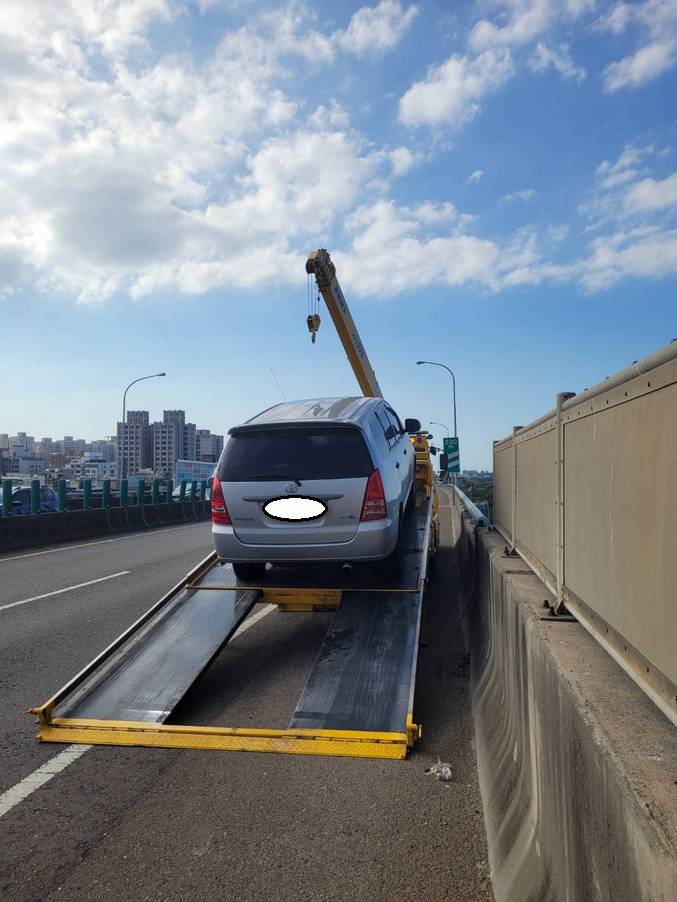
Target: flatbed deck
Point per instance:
(358, 699)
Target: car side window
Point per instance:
(388, 427)
(395, 423)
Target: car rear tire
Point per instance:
(250, 571)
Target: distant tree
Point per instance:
(478, 490)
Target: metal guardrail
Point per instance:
(86, 499)
(474, 511)
(587, 495)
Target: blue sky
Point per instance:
(496, 182)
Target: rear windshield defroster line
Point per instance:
(264, 455)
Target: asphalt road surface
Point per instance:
(155, 824)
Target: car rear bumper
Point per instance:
(372, 542)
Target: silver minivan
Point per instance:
(321, 480)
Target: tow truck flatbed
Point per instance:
(358, 699)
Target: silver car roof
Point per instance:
(315, 410)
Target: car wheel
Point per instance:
(250, 571)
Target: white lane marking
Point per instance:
(39, 777)
(254, 618)
(134, 535)
(60, 762)
(90, 582)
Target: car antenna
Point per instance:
(277, 383)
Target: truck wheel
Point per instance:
(250, 571)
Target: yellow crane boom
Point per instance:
(320, 265)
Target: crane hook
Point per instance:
(313, 322)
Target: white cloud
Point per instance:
(617, 19)
(559, 58)
(71, 29)
(658, 20)
(647, 249)
(525, 20)
(625, 168)
(641, 67)
(525, 195)
(402, 160)
(452, 92)
(127, 169)
(392, 250)
(334, 117)
(649, 195)
(604, 202)
(623, 188)
(640, 253)
(374, 30)
(557, 233)
(474, 177)
(293, 192)
(122, 169)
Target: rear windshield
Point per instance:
(311, 453)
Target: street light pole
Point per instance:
(121, 463)
(453, 380)
(435, 423)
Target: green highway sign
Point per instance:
(451, 449)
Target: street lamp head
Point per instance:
(162, 374)
(419, 362)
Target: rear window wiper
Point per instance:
(275, 476)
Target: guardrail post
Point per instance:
(141, 492)
(105, 493)
(86, 494)
(182, 491)
(7, 497)
(193, 490)
(124, 493)
(61, 495)
(493, 485)
(35, 496)
(513, 533)
(155, 491)
(559, 463)
(170, 491)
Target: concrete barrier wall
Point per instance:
(594, 501)
(48, 529)
(576, 764)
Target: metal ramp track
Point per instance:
(149, 675)
(362, 678)
(358, 700)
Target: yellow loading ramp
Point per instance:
(358, 699)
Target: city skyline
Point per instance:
(35, 434)
(138, 447)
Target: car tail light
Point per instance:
(374, 505)
(219, 509)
